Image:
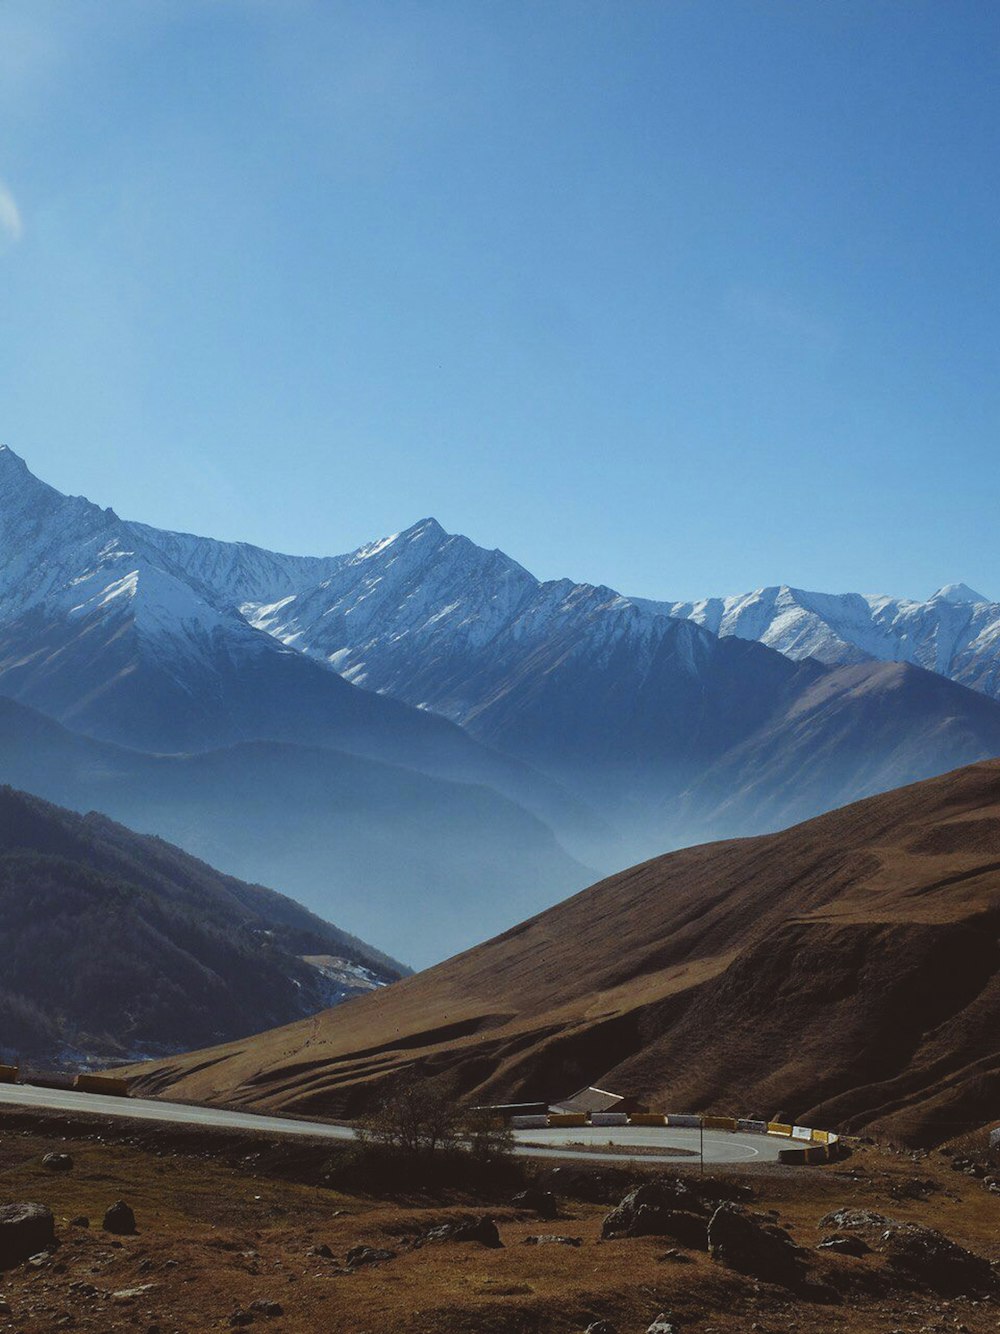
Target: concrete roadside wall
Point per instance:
(751, 1127)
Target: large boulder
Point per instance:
(482, 1230)
(651, 1210)
(119, 1219)
(541, 1202)
(57, 1162)
(855, 1220)
(754, 1245)
(25, 1229)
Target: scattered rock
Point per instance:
(367, 1255)
(482, 1229)
(602, 1327)
(662, 1325)
(856, 1220)
(914, 1188)
(81, 1220)
(553, 1240)
(921, 1254)
(321, 1250)
(119, 1219)
(541, 1202)
(57, 1162)
(844, 1245)
(271, 1310)
(936, 1261)
(239, 1318)
(124, 1295)
(752, 1244)
(675, 1257)
(24, 1230)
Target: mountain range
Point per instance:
(844, 972)
(422, 740)
(955, 633)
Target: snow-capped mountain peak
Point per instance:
(958, 593)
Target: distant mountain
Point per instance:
(420, 865)
(844, 973)
(119, 945)
(853, 732)
(955, 633)
(658, 721)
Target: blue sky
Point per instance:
(684, 297)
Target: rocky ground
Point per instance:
(232, 1233)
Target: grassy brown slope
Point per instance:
(846, 971)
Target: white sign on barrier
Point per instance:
(608, 1119)
(801, 1132)
(529, 1122)
(675, 1119)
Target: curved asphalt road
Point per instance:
(720, 1146)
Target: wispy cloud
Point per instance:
(11, 226)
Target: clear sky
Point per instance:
(683, 296)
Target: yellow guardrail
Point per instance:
(808, 1145)
(719, 1122)
(809, 1153)
(109, 1084)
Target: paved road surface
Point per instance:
(720, 1146)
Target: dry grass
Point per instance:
(216, 1234)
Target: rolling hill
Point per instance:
(117, 945)
(844, 972)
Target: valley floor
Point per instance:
(226, 1221)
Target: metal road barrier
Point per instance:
(811, 1146)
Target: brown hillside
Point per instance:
(844, 971)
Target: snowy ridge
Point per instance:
(955, 633)
(435, 620)
(237, 571)
(74, 560)
(430, 617)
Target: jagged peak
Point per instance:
(10, 461)
(428, 527)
